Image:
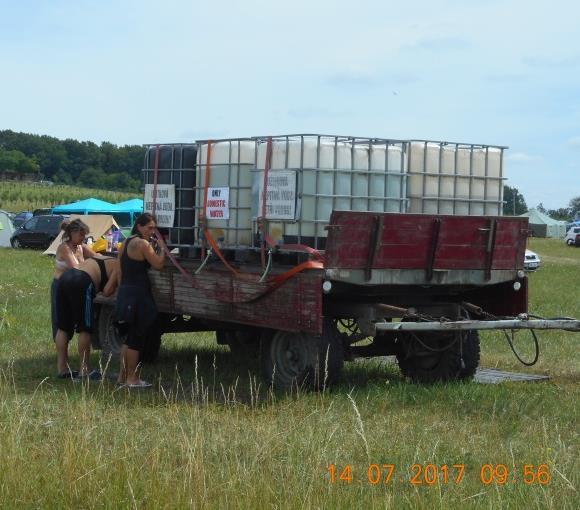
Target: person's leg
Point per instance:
(84, 352)
(61, 343)
(53, 317)
(132, 360)
(122, 378)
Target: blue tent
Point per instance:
(126, 212)
(87, 206)
(134, 205)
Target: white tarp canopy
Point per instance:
(6, 229)
(544, 226)
(98, 225)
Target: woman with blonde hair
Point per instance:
(70, 253)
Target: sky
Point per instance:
(137, 72)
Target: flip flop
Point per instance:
(93, 375)
(71, 374)
(140, 384)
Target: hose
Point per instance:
(536, 347)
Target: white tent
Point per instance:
(98, 225)
(542, 225)
(6, 229)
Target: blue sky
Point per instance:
(135, 72)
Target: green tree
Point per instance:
(16, 161)
(514, 202)
(92, 178)
(574, 207)
(563, 213)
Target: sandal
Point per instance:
(71, 374)
(93, 375)
(139, 384)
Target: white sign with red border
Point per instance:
(218, 204)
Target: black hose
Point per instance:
(536, 347)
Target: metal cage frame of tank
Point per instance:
(425, 199)
(193, 231)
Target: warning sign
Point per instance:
(218, 204)
(164, 203)
(280, 195)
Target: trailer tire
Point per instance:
(109, 338)
(241, 343)
(459, 361)
(111, 341)
(298, 360)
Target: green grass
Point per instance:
(213, 435)
(26, 196)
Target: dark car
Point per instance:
(577, 242)
(38, 212)
(20, 218)
(37, 232)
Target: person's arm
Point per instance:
(156, 261)
(112, 282)
(87, 252)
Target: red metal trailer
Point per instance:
(414, 286)
(308, 285)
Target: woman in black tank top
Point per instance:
(135, 309)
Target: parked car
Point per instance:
(20, 218)
(577, 243)
(37, 232)
(571, 235)
(44, 210)
(532, 261)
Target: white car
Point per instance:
(531, 261)
(571, 235)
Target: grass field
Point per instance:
(26, 196)
(212, 435)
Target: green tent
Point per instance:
(542, 225)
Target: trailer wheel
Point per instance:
(111, 340)
(302, 360)
(241, 343)
(454, 356)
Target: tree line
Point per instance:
(104, 166)
(515, 204)
(112, 167)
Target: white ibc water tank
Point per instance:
(230, 168)
(331, 173)
(454, 179)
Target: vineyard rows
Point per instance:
(18, 196)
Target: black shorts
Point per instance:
(74, 302)
(135, 315)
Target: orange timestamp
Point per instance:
(433, 474)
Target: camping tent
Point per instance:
(6, 229)
(124, 212)
(542, 225)
(134, 205)
(87, 206)
(98, 225)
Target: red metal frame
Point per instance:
(416, 241)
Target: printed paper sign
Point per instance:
(218, 204)
(280, 195)
(164, 203)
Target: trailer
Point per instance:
(313, 257)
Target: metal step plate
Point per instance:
(494, 376)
